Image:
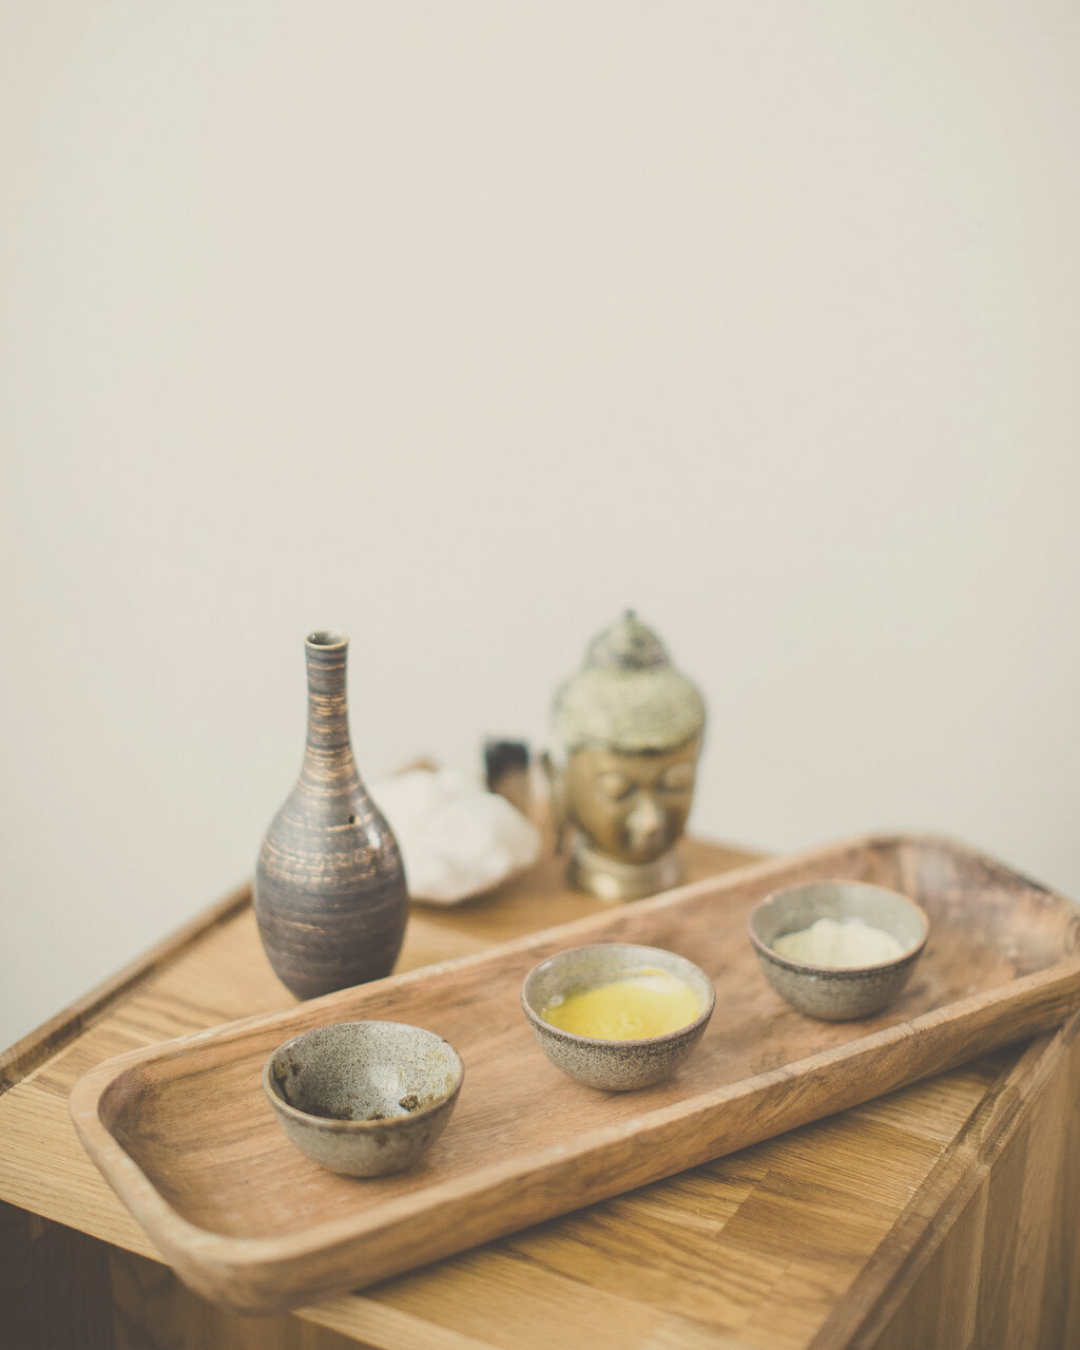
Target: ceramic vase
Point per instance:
(330, 895)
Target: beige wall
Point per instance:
(463, 326)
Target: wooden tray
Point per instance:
(183, 1133)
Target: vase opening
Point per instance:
(327, 638)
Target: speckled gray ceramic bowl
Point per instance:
(364, 1098)
(830, 993)
(614, 1066)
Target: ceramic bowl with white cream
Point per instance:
(838, 950)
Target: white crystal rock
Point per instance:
(456, 839)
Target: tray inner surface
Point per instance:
(196, 1122)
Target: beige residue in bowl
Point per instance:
(828, 942)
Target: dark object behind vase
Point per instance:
(330, 895)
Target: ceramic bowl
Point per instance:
(614, 1066)
(830, 993)
(364, 1098)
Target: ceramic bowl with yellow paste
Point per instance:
(617, 1015)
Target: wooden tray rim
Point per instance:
(170, 1230)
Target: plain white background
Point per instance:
(462, 327)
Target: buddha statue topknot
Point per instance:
(630, 729)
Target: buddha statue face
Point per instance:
(631, 807)
(631, 729)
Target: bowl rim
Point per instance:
(614, 1046)
(842, 972)
(336, 1126)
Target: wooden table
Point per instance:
(944, 1216)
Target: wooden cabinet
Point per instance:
(944, 1216)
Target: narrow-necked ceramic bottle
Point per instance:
(330, 895)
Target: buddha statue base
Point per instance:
(610, 879)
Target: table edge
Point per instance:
(46, 1040)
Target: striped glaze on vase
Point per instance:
(330, 896)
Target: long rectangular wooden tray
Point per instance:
(183, 1133)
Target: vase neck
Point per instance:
(328, 711)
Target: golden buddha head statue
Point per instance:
(630, 728)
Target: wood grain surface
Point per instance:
(185, 1136)
(888, 1216)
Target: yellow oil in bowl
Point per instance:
(640, 1004)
